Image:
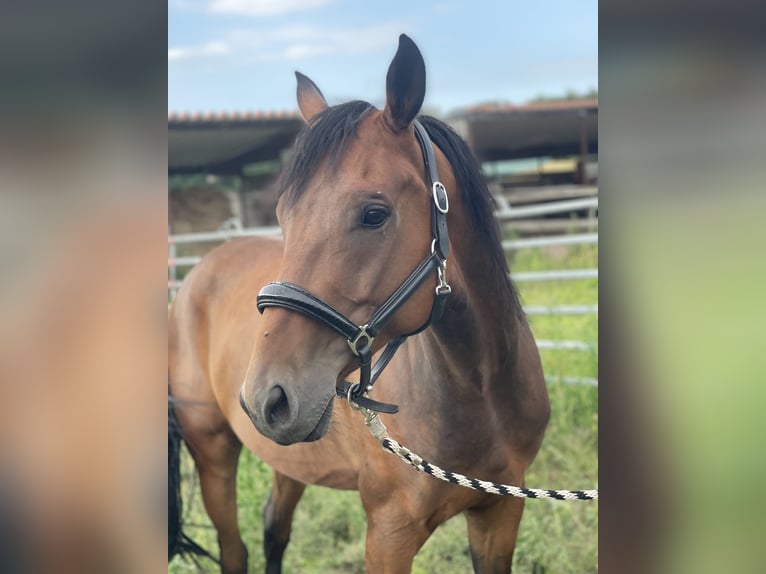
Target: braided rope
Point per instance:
(380, 432)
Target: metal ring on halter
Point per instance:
(350, 392)
(440, 192)
(362, 333)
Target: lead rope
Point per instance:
(380, 432)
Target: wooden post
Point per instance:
(583, 146)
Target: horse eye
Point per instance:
(374, 217)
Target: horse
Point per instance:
(358, 212)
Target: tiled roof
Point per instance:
(534, 107)
(232, 116)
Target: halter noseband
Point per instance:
(360, 337)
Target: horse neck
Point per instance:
(476, 339)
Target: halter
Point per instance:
(360, 337)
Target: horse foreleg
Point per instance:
(278, 519)
(216, 454)
(393, 539)
(492, 534)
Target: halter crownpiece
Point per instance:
(360, 337)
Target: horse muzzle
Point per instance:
(284, 415)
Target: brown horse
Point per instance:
(355, 207)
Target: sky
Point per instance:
(239, 55)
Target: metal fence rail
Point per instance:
(224, 235)
(504, 214)
(189, 261)
(565, 345)
(571, 380)
(576, 239)
(561, 310)
(560, 275)
(547, 208)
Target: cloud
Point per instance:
(292, 43)
(264, 7)
(301, 42)
(444, 7)
(195, 52)
(303, 51)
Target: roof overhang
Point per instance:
(555, 129)
(223, 144)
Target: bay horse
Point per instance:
(356, 208)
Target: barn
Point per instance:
(221, 165)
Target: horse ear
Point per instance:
(405, 85)
(310, 98)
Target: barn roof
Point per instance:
(223, 142)
(552, 129)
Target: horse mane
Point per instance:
(480, 207)
(326, 136)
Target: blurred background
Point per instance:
(89, 102)
(83, 215)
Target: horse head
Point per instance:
(355, 211)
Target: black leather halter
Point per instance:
(360, 337)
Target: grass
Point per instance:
(554, 537)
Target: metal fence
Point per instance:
(505, 214)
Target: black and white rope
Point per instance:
(379, 431)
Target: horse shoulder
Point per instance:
(532, 406)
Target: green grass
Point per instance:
(554, 537)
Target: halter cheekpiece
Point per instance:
(360, 337)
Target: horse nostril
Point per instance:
(243, 403)
(276, 409)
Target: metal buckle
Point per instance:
(440, 197)
(443, 287)
(362, 333)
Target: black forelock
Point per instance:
(324, 137)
